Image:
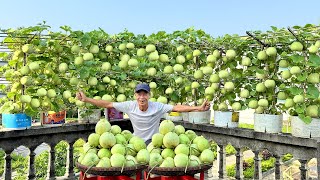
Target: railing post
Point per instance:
(32, 175)
(69, 163)
(277, 167)
(222, 162)
(7, 172)
(239, 164)
(303, 169)
(257, 165)
(318, 159)
(52, 157)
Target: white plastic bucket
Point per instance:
(301, 129)
(94, 117)
(268, 123)
(165, 115)
(226, 119)
(174, 118)
(199, 117)
(185, 116)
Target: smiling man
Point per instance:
(144, 115)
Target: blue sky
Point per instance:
(146, 16)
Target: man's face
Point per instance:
(142, 97)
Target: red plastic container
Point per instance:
(83, 177)
(138, 177)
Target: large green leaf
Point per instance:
(309, 25)
(123, 76)
(314, 60)
(295, 90)
(2, 87)
(313, 92)
(11, 95)
(299, 109)
(302, 77)
(3, 55)
(6, 108)
(84, 73)
(297, 58)
(305, 119)
(13, 62)
(85, 40)
(10, 42)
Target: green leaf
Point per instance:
(77, 33)
(313, 92)
(253, 93)
(10, 95)
(295, 90)
(299, 109)
(3, 55)
(237, 73)
(9, 41)
(296, 27)
(6, 108)
(85, 39)
(66, 28)
(302, 77)
(90, 63)
(297, 58)
(13, 62)
(123, 76)
(274, 28)
(43, 43)
(116, 68)
(230, 96)
(314, 60)
(260, 71)
(2, 87)
(305, 119)
(253, 68)
(84, 73)
(309, 25)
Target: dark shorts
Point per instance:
(148, 142)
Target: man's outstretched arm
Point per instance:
(185, 108)
(100, 103)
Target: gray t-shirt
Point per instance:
(144, 123)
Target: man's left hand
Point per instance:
(205, 106)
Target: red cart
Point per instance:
(177, 173)
(113, 173)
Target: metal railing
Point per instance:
(302, 149)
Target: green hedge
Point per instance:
(248, 169)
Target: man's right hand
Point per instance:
(81, 96)
(100, 103)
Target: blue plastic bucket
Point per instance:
(16, 121)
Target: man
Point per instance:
(144, 115)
